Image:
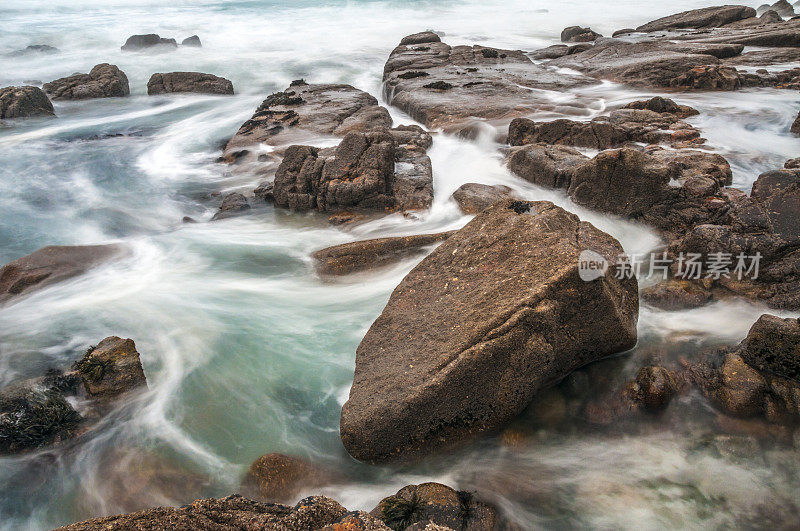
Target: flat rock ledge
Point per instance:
(496, 313)
(197, 82)
(103, 81)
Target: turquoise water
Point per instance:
(246, 350)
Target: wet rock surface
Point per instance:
(304, 110)
(233, 204)
(34, 49)
(50, 265)
(22, 102)
(444, 86)
(579, 34)
(111, 368)
(188, 82)
(492, 302)
(370, 254)
(103, 81)
(472, 198)
(709, 17)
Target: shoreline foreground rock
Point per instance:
(496, 313)
(103, 81)
(23, 102)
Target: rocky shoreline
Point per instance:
(500, 319)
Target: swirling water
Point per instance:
(246, 350)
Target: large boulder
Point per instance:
(50, 265)
(111, 368)
(379, 170)
(708, 17)
(493, 315)
(103, 81)
(449, 87)
(188, 82)
(773, 346)
(474, 197)
(370, 254)
(221, 514)
(21, 102)
(304, 110)
(232, 205)
(149, 41)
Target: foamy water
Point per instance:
(246, 350)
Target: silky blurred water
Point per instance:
(246, 350)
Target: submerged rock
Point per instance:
(192, 42)
(49, 265)
(281, 478)
(34, 49)
(579, 34)
(369, 254)
(149, 41)
(233, 204)
(103, 81)
(795, 129)
(499, 312)
(22, 102)
(304, 110)
(112, 368)
(480, 82)
(188, 82)
(473, 197)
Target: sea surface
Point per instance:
(246, 350)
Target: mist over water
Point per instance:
(246, 350)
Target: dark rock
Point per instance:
(34, 49)
(778, 193)
(233, 204)
(417, 506)
(551, 52)
(709, 77)
(622, 32)
(188, 82)
(776, 34)
(655, 388)
(782, 8)
(50, 265)
(360, 521)
(222, 514)
(792, 164)
(578, 34)
(310, 110)
(21, 102)
(377, 170)
(709, 17)
(281, 478)
(265, 191)
(111, 368)
(473, 197)
(662, 105)
(149, 41)
(486, 83)
(795, 129)
(420, 38)
(773, 346)
(103, 81)
(369, 254)
(676, 295)
(495, 320)
(33, 415)
(546, 165)
(192, 42)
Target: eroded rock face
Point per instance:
(22, 102)
(795, 129)
(369, 254)
(112, 368)
(103, 81)
(149, 41)
(50, 265)
(474, 197)
(709, 17)
(381, 170)
(773, 346)
(281, 478)
(490, 308)
(222, 514)
(188, 82)
(304, 110)
(444, 86)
